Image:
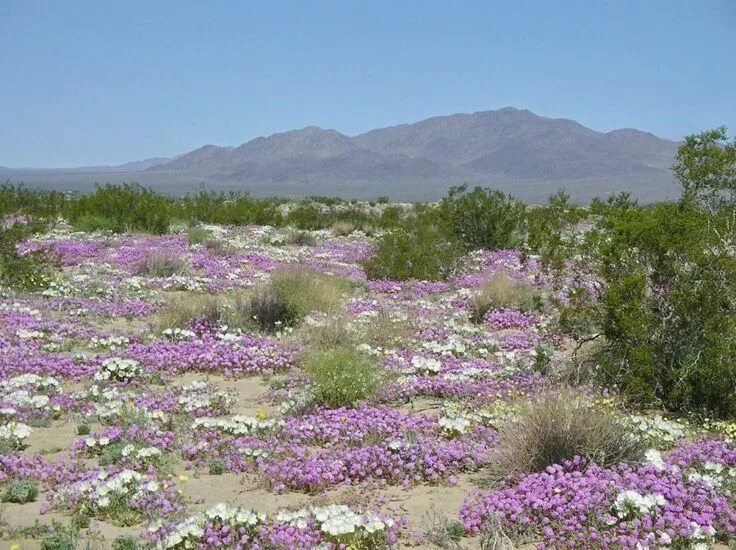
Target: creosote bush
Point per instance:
(422, 251)
(558, 428)
(502, 292)
(341, 376)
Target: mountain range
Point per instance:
(515, 150)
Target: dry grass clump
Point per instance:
(557, 428)
(292, 294)
(330, 332)
(159, 263)
(502, 292)
(342, 228)
(180, 311)
(298, 237)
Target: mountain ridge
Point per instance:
(502, 148)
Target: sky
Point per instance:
(88, 83)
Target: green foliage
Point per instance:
(706, 167)
(125, 542)
(482, 218)
(121, 208)
(420, 251)
(60, 539)
(196, 235)
(28, 271)
(83, 429)
(20, 492)
(341, 376)
(217, 467)
(663, 297)
(550, 230)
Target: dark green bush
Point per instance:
(420, 252)
(20, 492)
(29, 271)
(125, 542)
(482, 218)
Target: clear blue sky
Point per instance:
(104, 82)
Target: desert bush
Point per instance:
(122, 208)
(297, 237)
(551, 231)
(83, 429)
(292, 294)
(558, 428)
(161, 263)
(197, 235)
(342, 229)
(28, 271)
(500, 291)
(341, 376)
(482, 218)
(422, 251)
(125, 542)
(95, 222)
(59, 539)
(657, 288)
(20, 492)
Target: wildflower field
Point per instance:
(250, 386)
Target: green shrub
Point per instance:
(342, 229)
(95, 222)
(59, 539)
(125, 542)
(83, 429)
(341, 376)
(217, 467)
(482, 218)
(29, 271)
(420, 252)
(662, 305)
(20, 492)
(557, 428)
(197, 235)
(80, 521)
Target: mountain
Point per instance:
(516, 150)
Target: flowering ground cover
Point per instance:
(128, 419)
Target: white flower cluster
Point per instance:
(98, 491)
(118, 369)
(178, 334)
(200, 394)
(632, 504)
(336, 520)
(57, 289)
(14, 434)
(240, 425)
(456, 419)
(425, 365)
(25, 334)
(145, 454)
(188, 533)
(712, 474)
(656, 429)
(111, 342)
(184, 282)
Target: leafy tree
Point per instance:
(706, 167)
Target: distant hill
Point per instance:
(528, 155)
